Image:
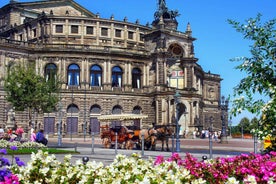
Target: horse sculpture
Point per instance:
(163, 134)
(149, 138)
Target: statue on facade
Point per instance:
(164, 12)
(11, 118)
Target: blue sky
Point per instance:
(217, 42)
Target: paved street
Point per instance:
(197, 147)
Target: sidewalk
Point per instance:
(106, 156)
(246, 145)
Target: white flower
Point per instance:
(250, 179)
(232, 180)
(198, 181)
(44, 170)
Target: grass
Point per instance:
(22, 151)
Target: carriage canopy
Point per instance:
(121, 117)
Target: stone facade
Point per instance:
(109, 67)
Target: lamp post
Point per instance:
(210, 138)
(177, 142)
(84, 115)
(59, 123)
(224, 117)
(230, 129)
(71, 110)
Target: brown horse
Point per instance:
(123, 137)
(149, 138)
(163, 134)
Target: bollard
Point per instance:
(210, 146)
(204, 157)
(76, 145)
(85, 160)
(255, 144)
(172, 144)
(93, 142)
(143, 142)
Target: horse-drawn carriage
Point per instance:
(128, 137)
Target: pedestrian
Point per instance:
(19, 131)
(2, 132)
(33, 136)
(13, 136)
(40, 138)
(194, 134)
(216, 136)
(9, 131)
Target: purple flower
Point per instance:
(13, 148)
(3, 151)
(4, 173)
(19, 162)
(5, 162)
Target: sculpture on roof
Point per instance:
(164, 12)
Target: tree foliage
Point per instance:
(260, 69)
(27, 90)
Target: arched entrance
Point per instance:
(72, 120)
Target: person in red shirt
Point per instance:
(19, 131)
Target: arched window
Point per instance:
(72, 108)
(73, 75)
(136, 78)
(137, 110)
(117, 76)
(50, 72)
(117, 109)
(95, 75)
(95, 109)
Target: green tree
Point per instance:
(244, 125)
(254, 123)
(260, 73)
(27, 90)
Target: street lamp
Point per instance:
(176, 100)
(230, 129)
(71, 110)
(84, 118)
(60, 123)
(224, 117)
(210, 138)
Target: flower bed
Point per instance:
(8, 144)
(45, 168)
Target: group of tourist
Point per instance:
(16, 134)
(205, 134)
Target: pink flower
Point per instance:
(159, 160)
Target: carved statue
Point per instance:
(11, 118)
(162, 3)
(162, 10)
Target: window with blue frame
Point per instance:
(50, 72)
(117, 75)
(136, 78)
(95, 75)
(73, 75)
